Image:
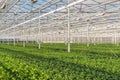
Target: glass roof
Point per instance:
(52, 15)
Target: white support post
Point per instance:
(8, 35)
(68, 28)
(21, 37)
(24, 33)
(101, 39)
(14, 34)
(39, 42)
(94, 38)
(81, 37)
(88, 34)
(39, 33)
(113, 38)
(116, 37)
(24, 38)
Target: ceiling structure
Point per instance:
(59, 18)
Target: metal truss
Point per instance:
(60, 20)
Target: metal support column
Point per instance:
(68, 28)
(24, 38)
(14, 38)
(39, 33)
(8, 35)
(88, 33)
(14, 33)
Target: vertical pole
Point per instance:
(88, 34)
(101, 39)
(39, 41)
(8, 37)
(68, 28)
(14, 37)
(24, 38)
(94, 39)
(116, 37)
(81, 38)
(93, 36)
(21, 37)
(39, 46)
(25, 34)
(112, 38)
(14, 34)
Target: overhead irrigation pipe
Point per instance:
(61, 8)
(80, 24)
(28, 14)
(4, 4)
(85, 16)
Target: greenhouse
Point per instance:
(59, 40)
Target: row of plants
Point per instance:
(52, 62)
